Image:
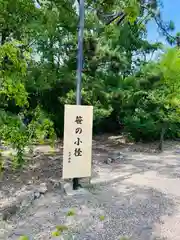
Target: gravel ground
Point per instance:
(142, 202)
(128, 210)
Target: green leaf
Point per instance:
(102, 218)
(56, 234)
(71, 213)
(61, 228)
(24, 238)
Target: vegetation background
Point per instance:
(134, 85)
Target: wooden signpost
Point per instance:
(78, 121)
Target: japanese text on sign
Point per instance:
(77, 150)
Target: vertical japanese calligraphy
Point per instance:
(77, 141)
(78, 151)
(69, 157)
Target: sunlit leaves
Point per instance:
(14, 89)
(170, 65)
(132, 11)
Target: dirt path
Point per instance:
(140, 200)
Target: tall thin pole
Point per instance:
(79, 66)
(80, 52)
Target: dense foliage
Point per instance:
(129, 92)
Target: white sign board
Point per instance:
(78, 121)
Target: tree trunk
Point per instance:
(3, 36)
(161, 142)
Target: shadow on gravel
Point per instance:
(45, 165)
(128, 210)
(164, 164)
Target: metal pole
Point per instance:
(79, 66)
